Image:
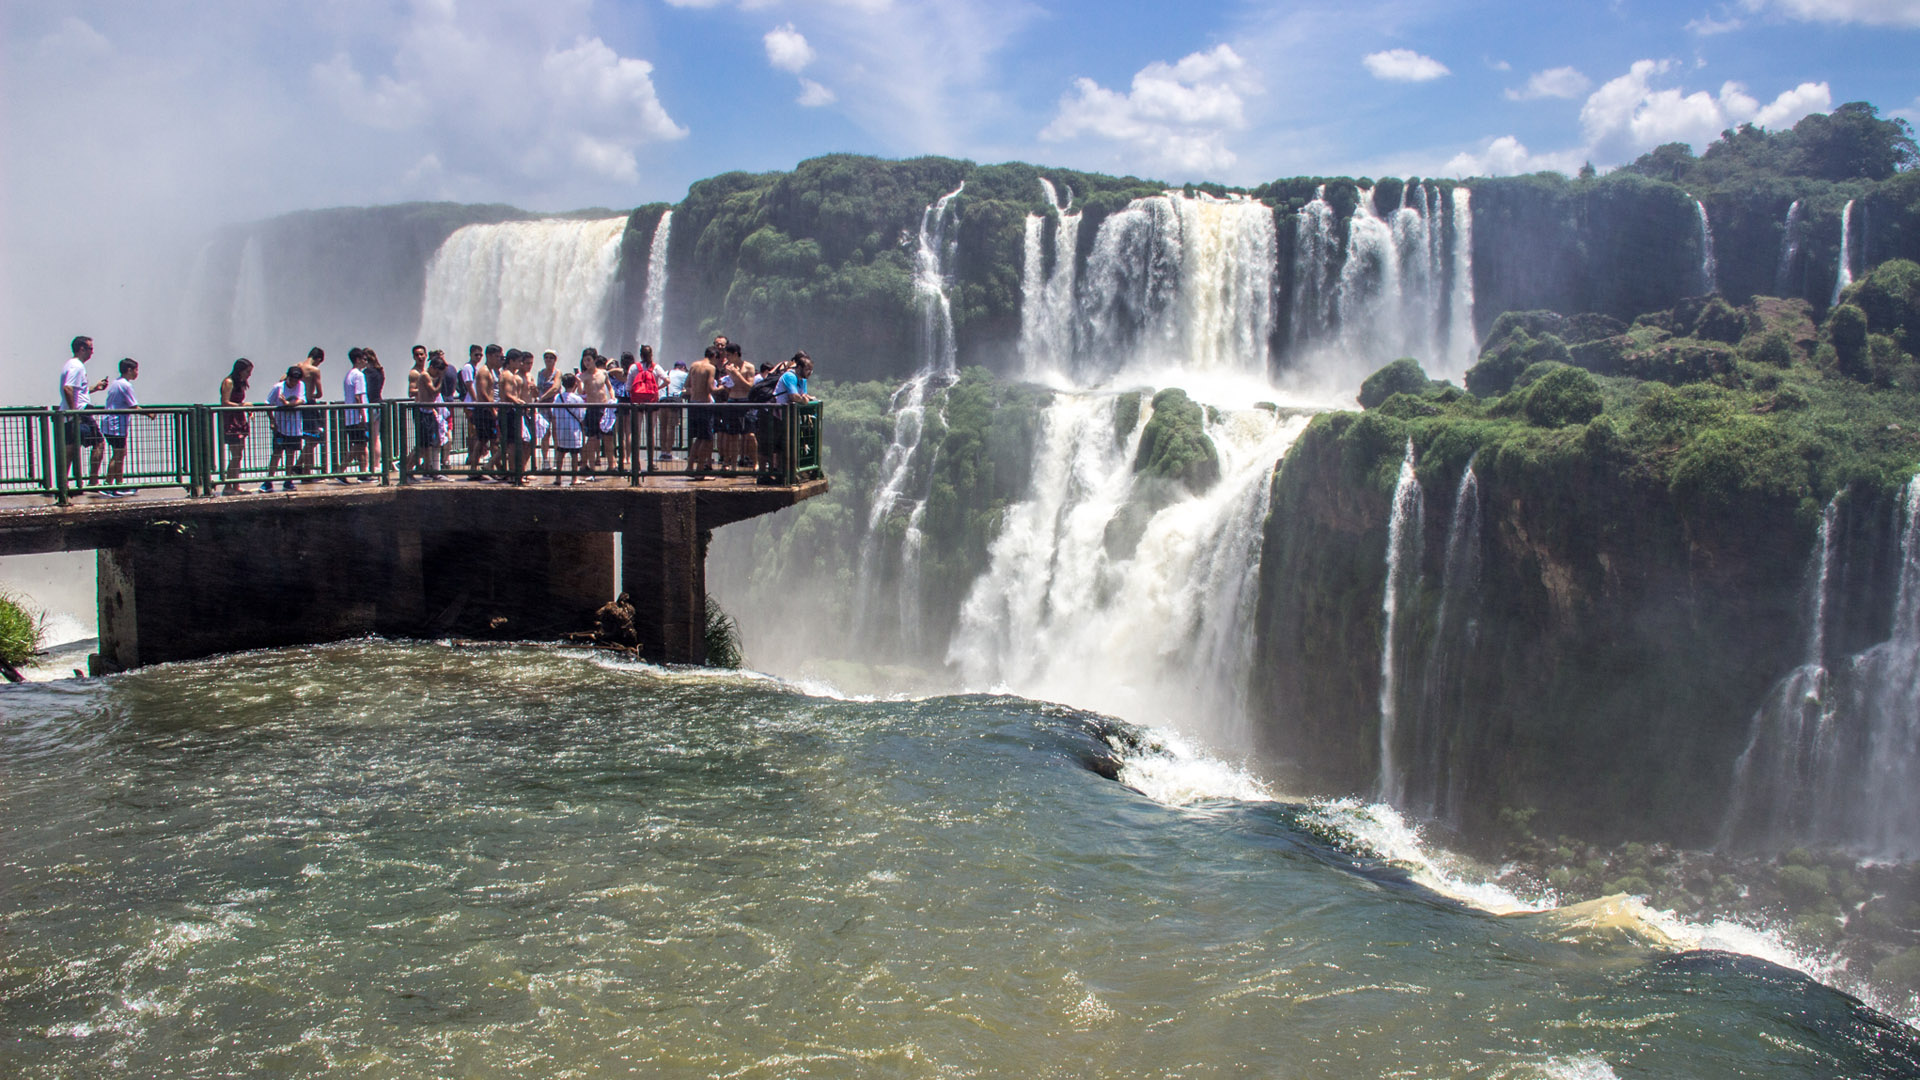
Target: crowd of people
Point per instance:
(518, 418)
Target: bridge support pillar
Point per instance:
(663, 566)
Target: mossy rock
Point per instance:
(1847, 332)
(1500, 368)
(1680, 361)
(1174, 445)
(1606, 356)
(1409, 407)
(1889, 297)
(1403, 376)
(1720, 321)
(1901, 970)
(1772, 348)
(1802, 886)
(1562, 396)
(1126, 417)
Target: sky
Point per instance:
(130, 126)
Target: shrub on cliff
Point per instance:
(1403, 376)
(1174, 444)
(1847, 330)
(1500, 367)
(19, 631)
(1562, 396)
(1889, 297)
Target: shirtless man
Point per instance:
(424, 384)
(700, 378)
(745, 442)
(545, 379)
(597, 392)
(313, 422)
(515, 392)
(485, 426)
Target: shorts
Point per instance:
(594, 415)
(511, 433)
(426, 428)
(485, 427)
(700, 423)
(358, 434)
(82, 430)
(313, 424)
(118, 442)
(282, 441)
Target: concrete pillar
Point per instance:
(513, 584)
(664, 566)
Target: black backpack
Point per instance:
(761, 392)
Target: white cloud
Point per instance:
(1870, 12)
(76, 39)
(787, 49)
(813, 95)
(1560, 82)
(1177, 115)
(546, 107)
(1707, 25)
(1508, 156)
(1404, 65)
(1628, 115)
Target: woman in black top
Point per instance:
(376, 377)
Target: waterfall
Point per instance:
(1047, 298)
(1367, 300)
(1141, 590)
(1314, 246)
(938, 364)
(653, 309)
(531, 284)
(1180, 280)
(1709, 266)
(1418, 316)
(1844, 276)
(932, 280)
(1454, 629)
(250, 331)
(1403, 532)
(1789, 252)
(1463, 344)
(1834, 752)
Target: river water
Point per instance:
(401, 860)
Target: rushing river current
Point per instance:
(411, 860)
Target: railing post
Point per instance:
(386, 439)
(60, 457)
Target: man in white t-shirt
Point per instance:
(286, 397)
(353, 391)
(122, 403)
(76, 394)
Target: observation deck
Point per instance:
(403, 523)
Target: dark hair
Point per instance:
(493, 350)
(438, 362)
(354, 353)
(471, 349)
(317, 354)
(764, 368)
(646, 353)
(79, 340)
(441, 353)
(294, 372)
(569, 380)
(241, 374)
(128, 363)
(372, 358)
(422, 348)
(712, 352)
(733, 348)
(626, 359)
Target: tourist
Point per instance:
(116, 423)
(700, 413)
(483, 426)
(513, 396)
(621, 436)
(595, 391)
(353, 391)
(376, 393)
(76, 395)
(431, 424)
(676, 394)
(789, 388)
(643, 391)
(288, 428)
(235, 422)
(544, 382)
(740, 416)
(569, 426)
(313, 419)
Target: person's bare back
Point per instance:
(700, 382)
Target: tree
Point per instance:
(1852, 142)
(1670, 162)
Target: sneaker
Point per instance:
(266, 487)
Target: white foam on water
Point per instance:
(1388, 833)
(1177, 772)
(1578, 1067)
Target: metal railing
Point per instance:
(209, 449)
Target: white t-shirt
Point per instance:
(286, 421)
(119, 396)
(74, 375)
(353, 391)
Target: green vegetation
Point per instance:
(1403, 376)
(1851, 142)
(723, 637)
(1174, 444)
(20, 630)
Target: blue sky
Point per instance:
(223, 109)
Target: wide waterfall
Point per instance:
(534, 284)
(1709, 266)
(1834, 755)
(653, 308)
(1179, 281)
(1790, 244)
(1140, 590)
(1403, 539)
(1843, 276)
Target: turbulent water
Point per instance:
(533, 284)
(409, 860)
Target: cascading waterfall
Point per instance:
(249, 326)
(533, 284)
(1709, 266)
(1790, 241)
(1463, 344)
(1455, 630)
(1367, 300)
(1844, 276)
(1179, 280)
(1314, 248)
(938, 364)
(1403, 538)
(1047, 301)
(1141, 589)
(1834, 756)
(1419, 314)
(653, 308)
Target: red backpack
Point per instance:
(645, 387)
